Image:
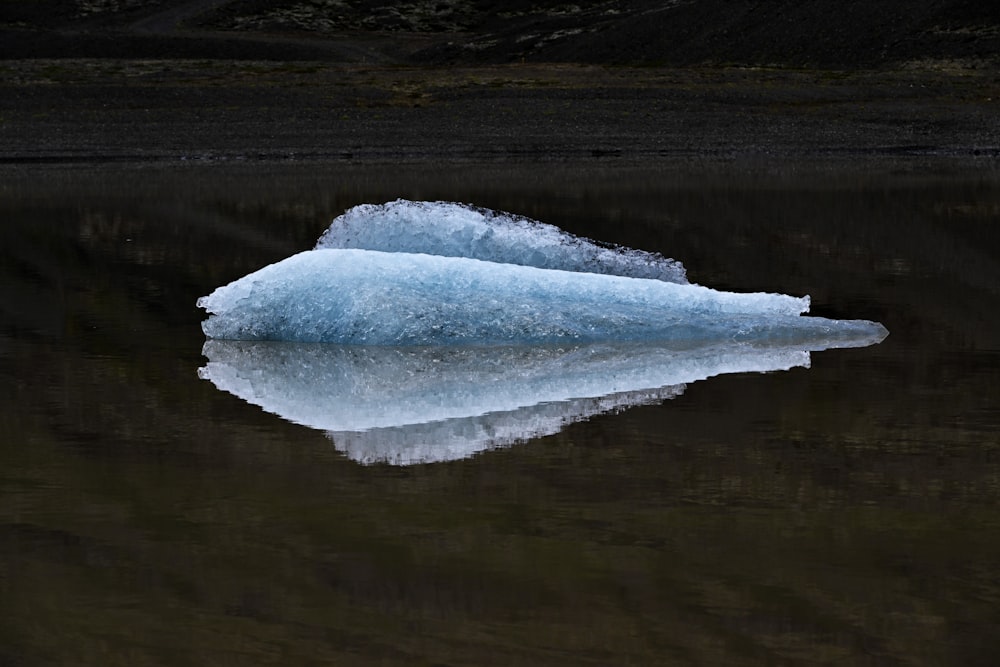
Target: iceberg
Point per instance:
(417, 332)
(410, 405)
(420, 273)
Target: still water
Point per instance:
(842, 508)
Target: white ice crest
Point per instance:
(449, 229)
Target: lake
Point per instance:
(843, 511)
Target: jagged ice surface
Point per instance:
(459, 230)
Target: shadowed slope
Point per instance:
(820, 34)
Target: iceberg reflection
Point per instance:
(408, 405)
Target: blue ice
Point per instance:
(409, 283)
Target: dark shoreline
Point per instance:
(72, 111)
(364, 81)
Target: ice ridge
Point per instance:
(460, 230)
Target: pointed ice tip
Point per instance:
(856, 333)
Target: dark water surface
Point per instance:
(847, 513)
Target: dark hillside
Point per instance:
(820, 33)
(823, 33)
(85, 80)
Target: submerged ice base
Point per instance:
(367, 297)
